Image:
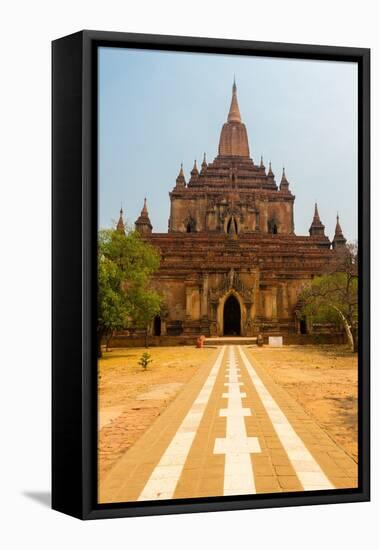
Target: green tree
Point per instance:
(125, 298)
(146, 305)
(113, 307)
(333, 297)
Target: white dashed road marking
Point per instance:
(307, 469)
(165, 476)
(236, 446)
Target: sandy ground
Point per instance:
(324, 380)
(130, 398)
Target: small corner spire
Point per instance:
(284, 177)
(204, 163)
(317, 228)
(262, 165)
(339, 240)
(143, 223)
(120, 228)
(284, 184)
(338, 230)
(144, 209)
(180, 180)
(194, 175)
(194, 171)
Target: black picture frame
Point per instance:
(74, 205)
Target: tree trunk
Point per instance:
(146, 344)
(347, 328)
(108, 339)
(100, 334)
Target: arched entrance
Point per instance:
(232, 317)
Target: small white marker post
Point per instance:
(275, 341)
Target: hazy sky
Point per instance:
(158, 109)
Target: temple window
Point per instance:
(191, 226)
(272, 227)
(232, 226)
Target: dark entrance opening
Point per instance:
(272, 227)
(303, 326)
(232, 317)
(157, 325)
(232, 226)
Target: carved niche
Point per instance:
(231, 281)
(190, 224)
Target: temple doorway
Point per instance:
(232, 317)
(157, 326)
(303, 326)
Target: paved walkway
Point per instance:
(230, 431)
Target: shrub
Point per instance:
(145, 359)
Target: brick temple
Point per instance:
(231, 263)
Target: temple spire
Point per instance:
(339, 240)
(234, 111)
(284, 184)
(233, 139)
(338, 227)
(180, 180)
(194, 180)
(143, 223)
(120, 228)
(317, 228)
(194, 171)
(204, 164)
(144, 209)
(316, 215)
